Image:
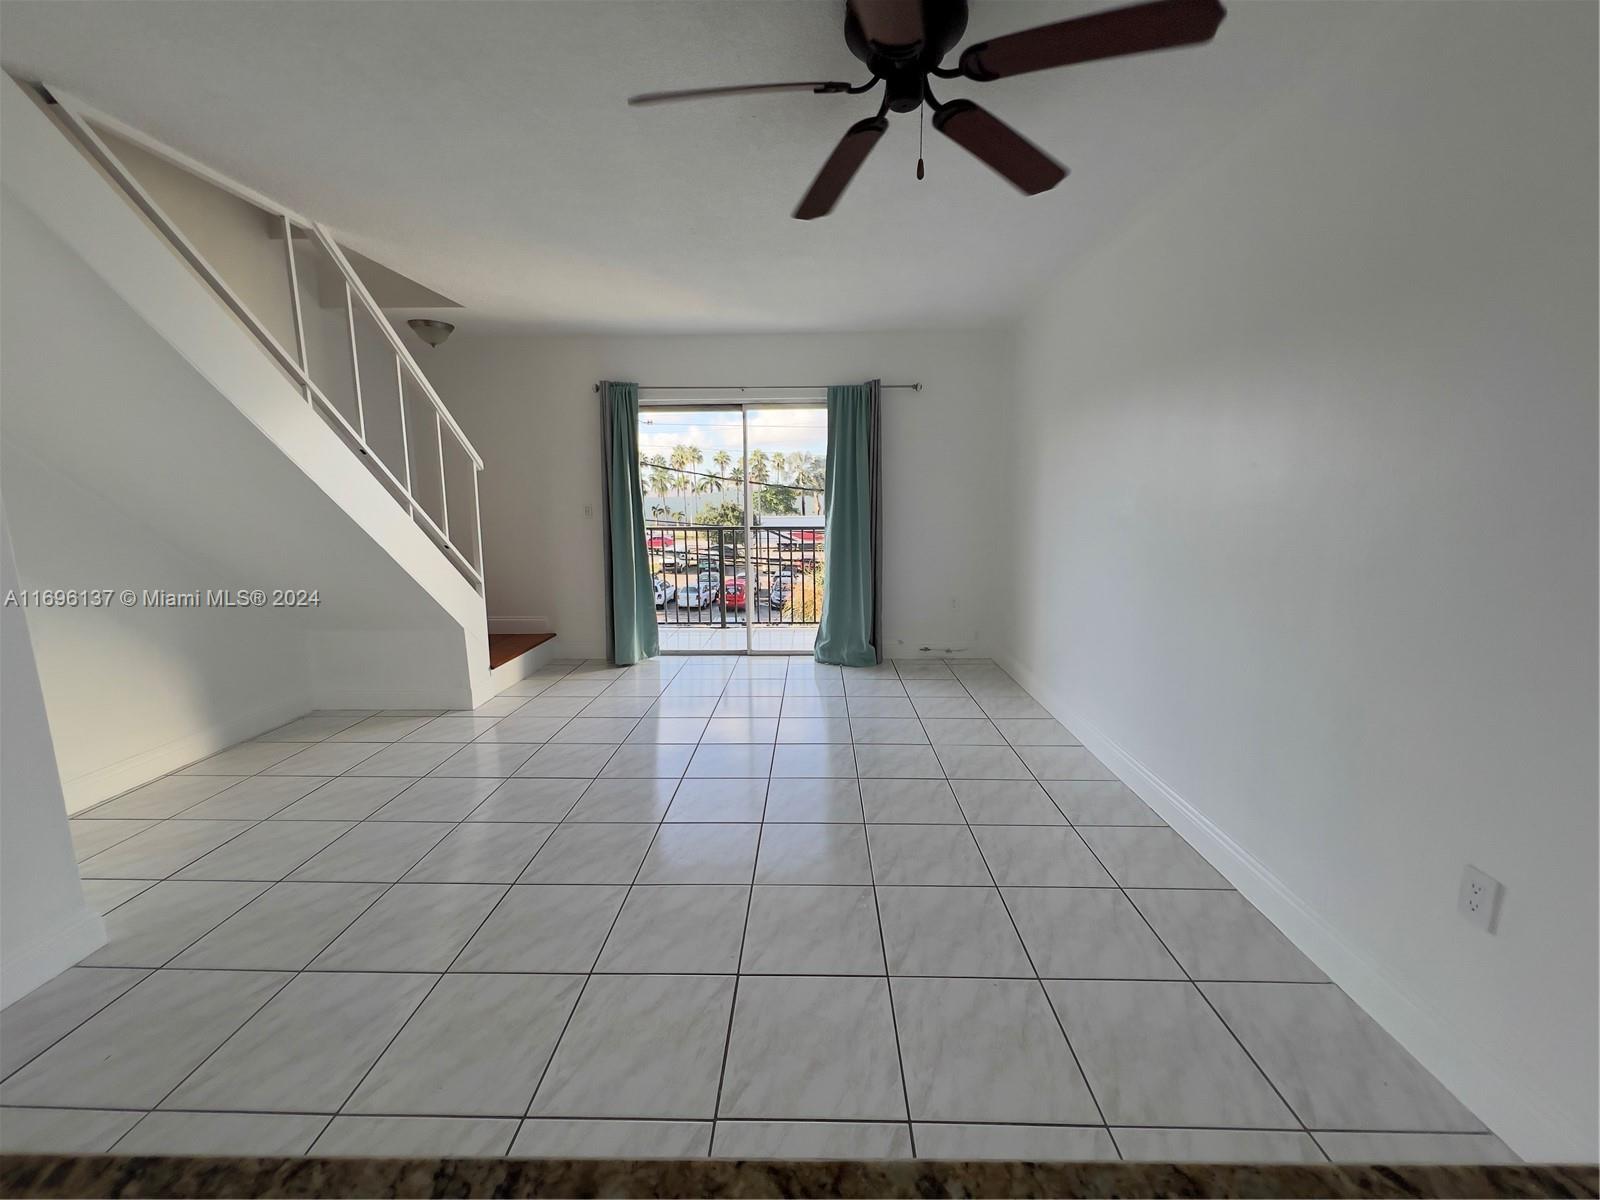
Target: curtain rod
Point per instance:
(776, 387)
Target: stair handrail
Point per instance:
(81, 119)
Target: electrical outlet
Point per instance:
(1479, 898)
(588, 510)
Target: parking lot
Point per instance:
(758, 608)
(703, 577)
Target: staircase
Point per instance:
(245, 398)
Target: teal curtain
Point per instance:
(630, 599)
(849, 634)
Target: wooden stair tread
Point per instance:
(503, 647)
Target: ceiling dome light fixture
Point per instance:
(432, 332)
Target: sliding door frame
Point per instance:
(743, 406)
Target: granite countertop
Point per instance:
(115, 1175)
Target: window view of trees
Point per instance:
(681, 486)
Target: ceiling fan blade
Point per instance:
(840, 168)
(739, 89)
(893, 27)
(1001, 147)
(1158, 25)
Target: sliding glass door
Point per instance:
(733, 509)
(788, 445)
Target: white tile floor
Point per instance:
(767, 639)
(738, 907)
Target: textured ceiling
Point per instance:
(485, 148)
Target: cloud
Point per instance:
(787, 429)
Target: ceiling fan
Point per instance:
(903, 43)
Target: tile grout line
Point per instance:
(178, 773)
(744, 934)
(286, 983)
(1061, 1025)
(1071, 1049)
(292, 976)
(270, 885)
(186, 771)
(33, 1058)
(883, 945)
(172, 878)
(440, 978)
(555, 1047)
(1189, 978)
(149, 880)
(254, 823)
(729, 974)
(445, 1116)
(682, 780)
(563, 819)
(462, 949)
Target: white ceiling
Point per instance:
(485, 149)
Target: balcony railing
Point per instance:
(346, 359)
(705, 577)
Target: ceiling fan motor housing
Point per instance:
(904, 69)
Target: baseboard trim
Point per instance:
(445, 699)
(519, 625)
(1537, 1129)
(91, 787)
(40, 960)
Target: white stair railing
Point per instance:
(366, 380)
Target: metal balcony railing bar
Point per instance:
(782, 574)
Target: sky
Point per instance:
(787, 428)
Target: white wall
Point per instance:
(45, 923)
(1313, 443)
(243, 243)
(136, 691)
(529, 406)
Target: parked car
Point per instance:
(666, 591)
(671, 562)
(778, 593)
(702, 593)
(733, 594)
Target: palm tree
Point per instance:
(680, 463)
(661, 481)
(780, 464)
(695, 457)
(721, 458)
(800, 468)
(706, 485)
(810, 474)
(758, 466)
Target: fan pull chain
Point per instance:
(920, 111)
